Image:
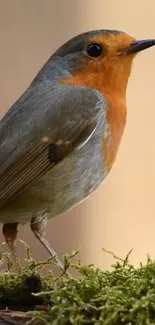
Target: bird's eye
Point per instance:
(94, 50)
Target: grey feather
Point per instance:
(75, 115)
(47, 109)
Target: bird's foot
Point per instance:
(10, 234)
(38, 226)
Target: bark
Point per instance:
(13, 317)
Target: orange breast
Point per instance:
(108, 85)
(116, 117)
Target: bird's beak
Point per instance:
(138, 46)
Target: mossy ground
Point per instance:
(124, 295)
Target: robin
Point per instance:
(60, 138)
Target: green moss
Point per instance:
(124, 295)
(16, 289)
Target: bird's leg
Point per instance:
(38, 226)
(10, 233)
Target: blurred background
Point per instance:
(120, 215)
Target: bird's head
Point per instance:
(102, 59)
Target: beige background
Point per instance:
(121, 213)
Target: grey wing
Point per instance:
(46, 124)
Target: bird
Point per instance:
(60, 139)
